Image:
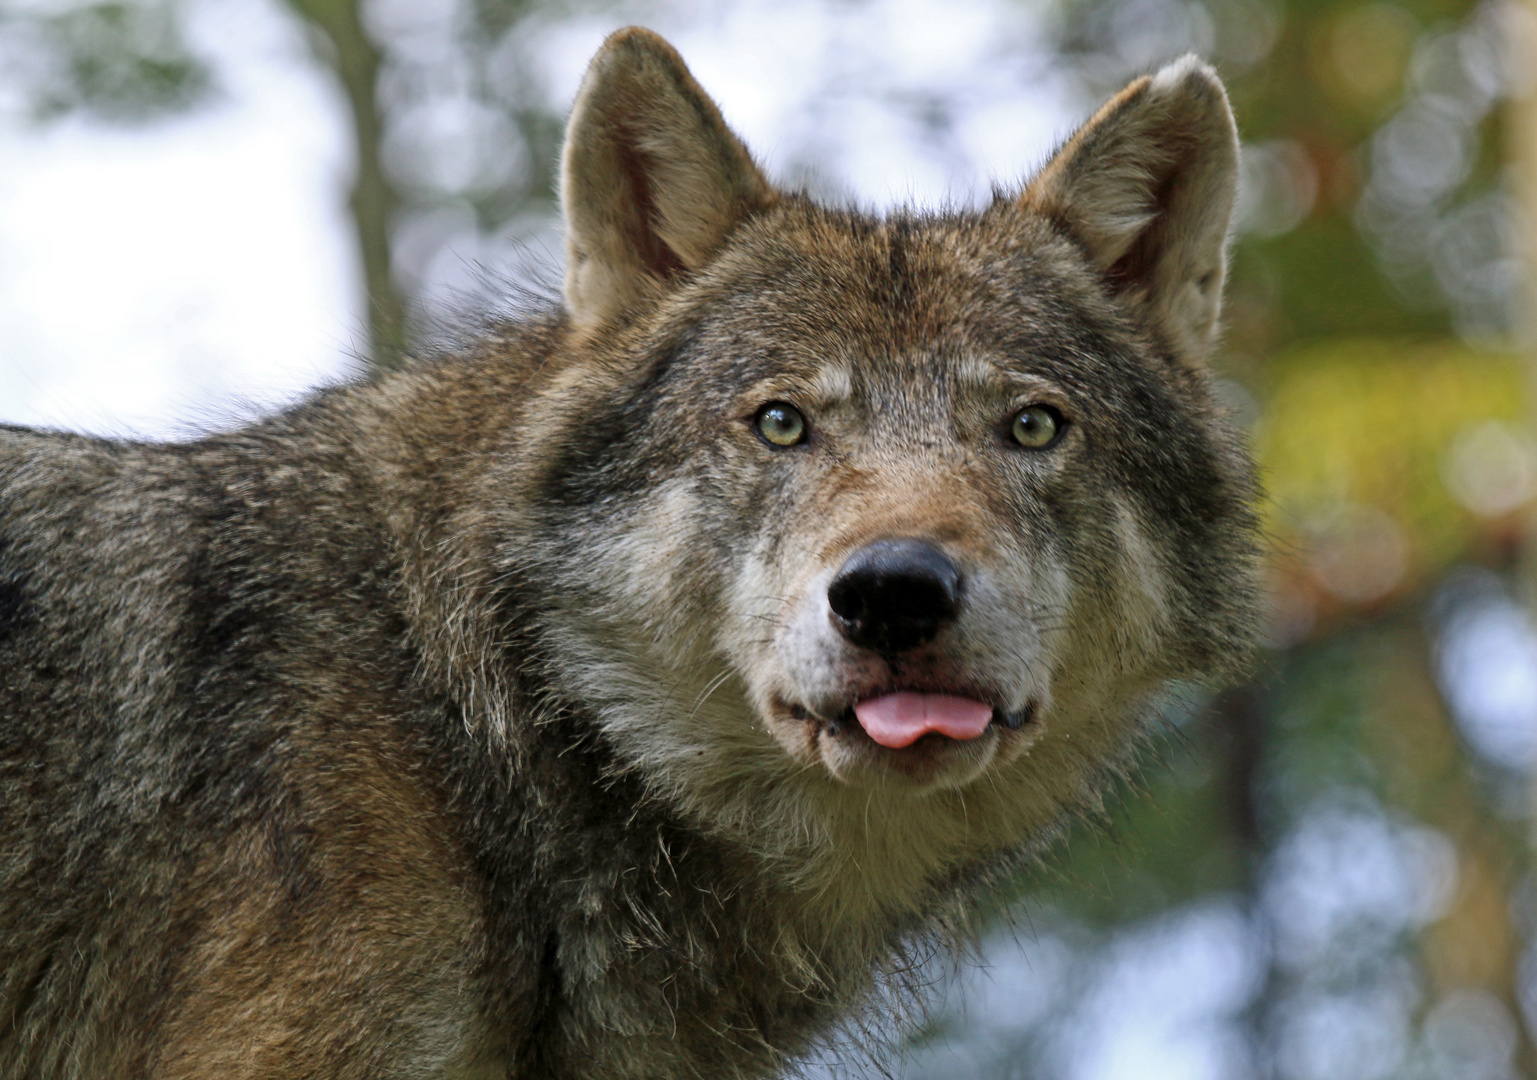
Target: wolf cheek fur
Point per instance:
(621, 695)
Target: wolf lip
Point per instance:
(1013, 721)
(898, 720)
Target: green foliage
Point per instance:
(122, 60)
(1372, 422)
(1163, 842)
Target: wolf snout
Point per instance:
(892, 596)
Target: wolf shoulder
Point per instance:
(85, 525)
(214, 791)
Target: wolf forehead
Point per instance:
(1001, 282)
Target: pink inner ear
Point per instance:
(898, 720)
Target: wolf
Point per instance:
(634, 688)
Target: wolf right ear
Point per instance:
(1147, 186)
(651, 179)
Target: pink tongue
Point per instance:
(899, 720)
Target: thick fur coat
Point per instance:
(510, 715)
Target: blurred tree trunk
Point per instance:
(356, 61)
(1243, 721)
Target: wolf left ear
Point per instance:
(1147, 186)
(652, 181)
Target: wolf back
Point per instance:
(629, 690)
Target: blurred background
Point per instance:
(208, 206)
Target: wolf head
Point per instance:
(834, 510)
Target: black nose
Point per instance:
(894, 595)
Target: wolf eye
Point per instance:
(780, 424)
(1036, 427)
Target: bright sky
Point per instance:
(159, 279)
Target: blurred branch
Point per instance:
(374, 200)
(1241, 717)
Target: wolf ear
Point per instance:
(1147, 187)
(651, 179)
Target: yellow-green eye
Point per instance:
(1036, 427)
(780, 424)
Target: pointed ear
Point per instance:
(1147, 187)
(651, 179)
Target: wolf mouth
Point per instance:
(846, 720)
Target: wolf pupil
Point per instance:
(781, 424)
(1036, 426)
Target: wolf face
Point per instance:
(888, 505)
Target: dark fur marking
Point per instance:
(15, 613)
(600, 458)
